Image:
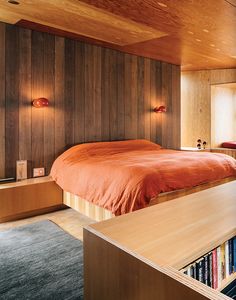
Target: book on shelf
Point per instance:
(214, 269)
(215, 266)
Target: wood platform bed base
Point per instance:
(228, 151)
(100, 214)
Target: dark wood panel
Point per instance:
(166, 101)
(79, 92)
(120, 95)
(2, 100)
(59, 96)
(69, 91)
(25, 98)
(12, 99)
(131, 107)
(176, 108)
(106, 89)
(37, 70)
(92, 93)
(49, 90)
(95, 94)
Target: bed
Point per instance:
(123, 176)
(228, 148)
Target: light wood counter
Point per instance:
(167, 237)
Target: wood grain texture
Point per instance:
(59, 96)
(112, 272)
(12, 100)
(28, 197)
(195, 224)
(2, 100)
(230, 152)
(196, 103)
(95, 94)
(190, 33)
(25, 96)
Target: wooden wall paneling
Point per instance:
(79, 93)
(97, 53)
(167, 121)
(147, 99)
(49, 88)
(59, 96)
(196, 103)
(155, 95)
(131, 111)
(120, 95)
(92, 93)
(113, 112)
(69, 92)
(25, 98)
(12, 102)
(223, 76)
(195, 108)
(2, 100)
(37, 70)
(176, 107)
(143, 98)
(106, 93)
(141, 94)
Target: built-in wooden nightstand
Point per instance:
(194, 149)
(29, 197)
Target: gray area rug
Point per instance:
(40, 261)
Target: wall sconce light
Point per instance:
(160, 109)
(40, 102)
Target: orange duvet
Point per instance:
(123, 176)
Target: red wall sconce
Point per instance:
(40, 102)
(160, 109)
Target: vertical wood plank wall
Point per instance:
(95, 94)
(196, 103)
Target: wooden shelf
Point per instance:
(227, 281)
(166, 237)
(29, 197)
(194, 149)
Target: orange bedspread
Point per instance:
(123, 176)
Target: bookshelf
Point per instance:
(29, 197)
(141, 254)
(216, 268)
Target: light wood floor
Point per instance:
(68, 219)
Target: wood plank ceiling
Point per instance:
(196, 34)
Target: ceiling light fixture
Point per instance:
(198, 40)
(13, 2)
(205, 30)
(190, 32)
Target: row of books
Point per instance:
(215, 266)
